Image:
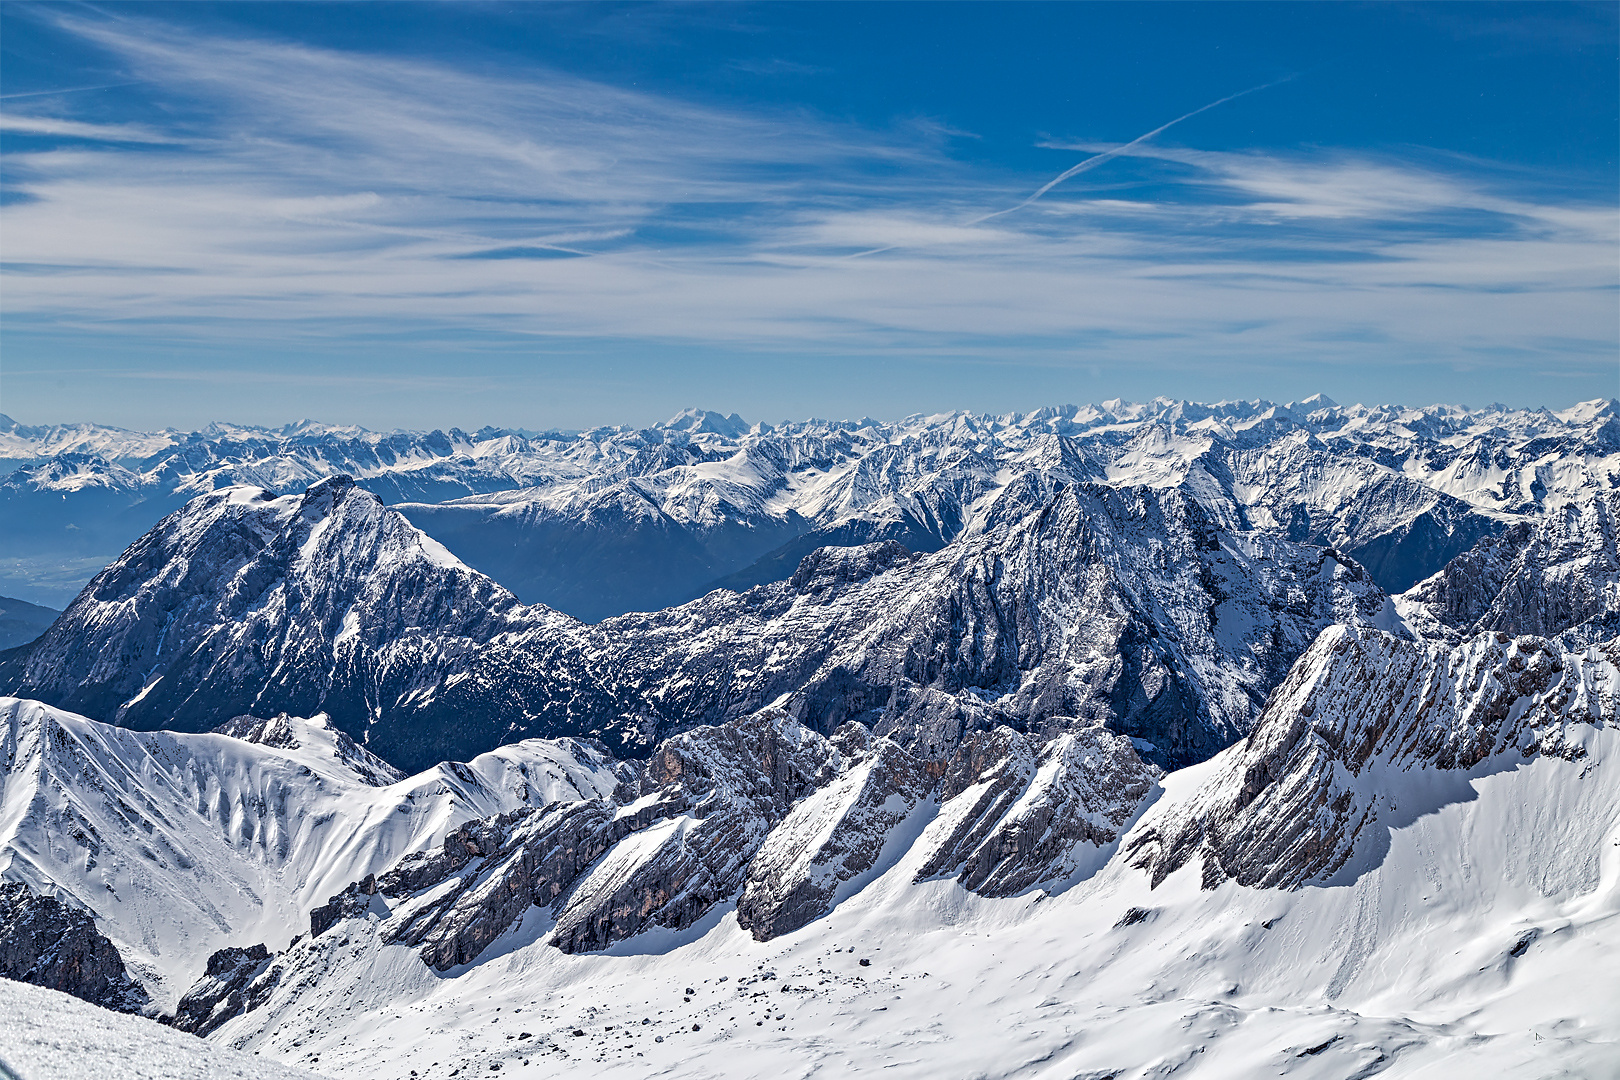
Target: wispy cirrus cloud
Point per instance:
(327, 196)
(76, 129)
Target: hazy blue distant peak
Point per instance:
(316, 427)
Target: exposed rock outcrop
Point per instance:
(231, 985)
(1077, 603)
(661, 856)
(733, 784)
(830, 839)
(1290, 804)
(243, 602)
(45, 942)
(1015, 815)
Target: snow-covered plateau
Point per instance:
(1119, 742)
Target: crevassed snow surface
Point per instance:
(1482, 941)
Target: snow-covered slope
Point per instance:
(1412, 866)
(1472, 932)
(183, 844)
(51, 1036)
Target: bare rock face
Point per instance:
(1288, 805)
(830, 839)
(1553, 577)
(47, 943)
(659, 854)
(231, 985)
(985, 778)
(491, 872)
(354, 900)
(735, 782)
(1015, 817)
(1073, 602)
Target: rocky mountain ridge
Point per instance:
(773, 826)
(1290, 805)
(1133, 607)
(1557, 576)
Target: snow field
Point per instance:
(184, 844)
(50, 1036)
(1465, 947)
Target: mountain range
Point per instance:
(609, 520)
(1106, 741)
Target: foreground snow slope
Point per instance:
(51, 1036)
(1474, 931)
(182, 844)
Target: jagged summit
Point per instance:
(1301, 796)
(247, 602)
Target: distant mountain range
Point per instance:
(601, 522)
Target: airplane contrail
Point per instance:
(69, 90)
(1093, 161)
(1097, 159)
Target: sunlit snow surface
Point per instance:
(183, 844)
(1484, 942)
(46, 1035)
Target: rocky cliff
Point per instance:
(1361, 714)
(45, 942)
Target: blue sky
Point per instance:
(563, 215)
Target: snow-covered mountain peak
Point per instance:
(326, 748)
(299, 593)
(1587, 412)
(704, 422)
